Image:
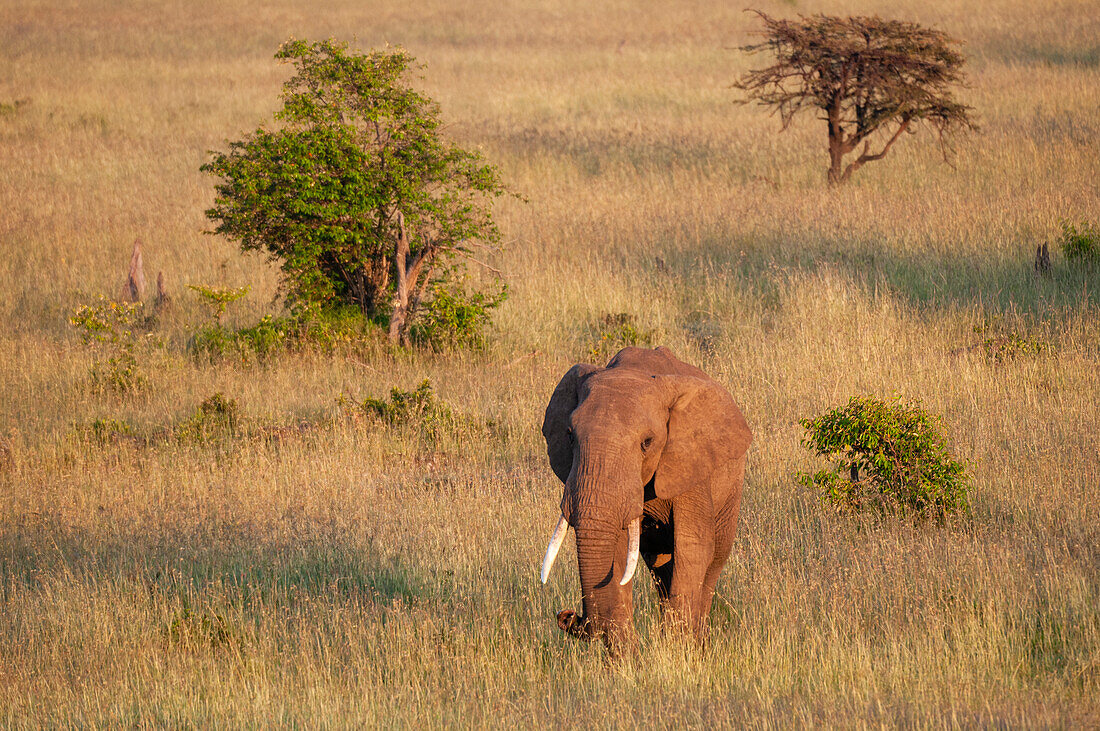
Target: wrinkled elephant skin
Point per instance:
(651, 452)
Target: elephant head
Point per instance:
(625, 438)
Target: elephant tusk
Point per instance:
(634, 534)
(555, 544)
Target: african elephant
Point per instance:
(652, 455)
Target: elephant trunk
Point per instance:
(634, 532)
(603, 502)
(602, 551)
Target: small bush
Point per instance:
(10, 109)
(886, 453)
(1004, 343)
(614, 332)
(217, 299)
(1012, 346)
(406, 406)
(217, 417)
(419, 409)
(1080, 243)
(112, 329)
(105, 430)
(309, 330)
(218, 422)
(270, 335)
(455, 317)
(334, 329)
(120, 373)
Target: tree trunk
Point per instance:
(836, 162)
(421, 279)
(401, 295)
(359, 289)
(836, 145)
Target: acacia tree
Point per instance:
(867, 77)
(357, 195)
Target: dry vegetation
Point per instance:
(350, 573)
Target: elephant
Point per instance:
(652, 453)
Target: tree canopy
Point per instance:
(357, 194)
(864, 76)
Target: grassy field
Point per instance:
(347, 574)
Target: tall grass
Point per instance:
(344, 573)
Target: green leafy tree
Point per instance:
(357, 195)
(889, 453)
(866, 78)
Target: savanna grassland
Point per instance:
(300, 564)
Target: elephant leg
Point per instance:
(693, 554)
(723, 544)
(725, 525)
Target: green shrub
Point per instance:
(1005, 342)
(217, 417)
(420, 410)
(1080, 243)
(311, 329)
(455, 317)
(1012, 346)
(213, 341)
(267, 337)
(105, 430)
(217, 299)
(889, 454)
(12, 108)
(406, 406)
(614, 332)
(111, 328)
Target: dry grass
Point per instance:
(349, 574)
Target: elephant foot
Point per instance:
(574, 625)
(620, 642)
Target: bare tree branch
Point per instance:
(480, 263)
(865, 157)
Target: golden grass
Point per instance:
(350, 575)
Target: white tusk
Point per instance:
(634, 534)
(555, 544)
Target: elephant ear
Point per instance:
(706, 433)
(555, 425)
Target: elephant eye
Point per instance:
(646, 443)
